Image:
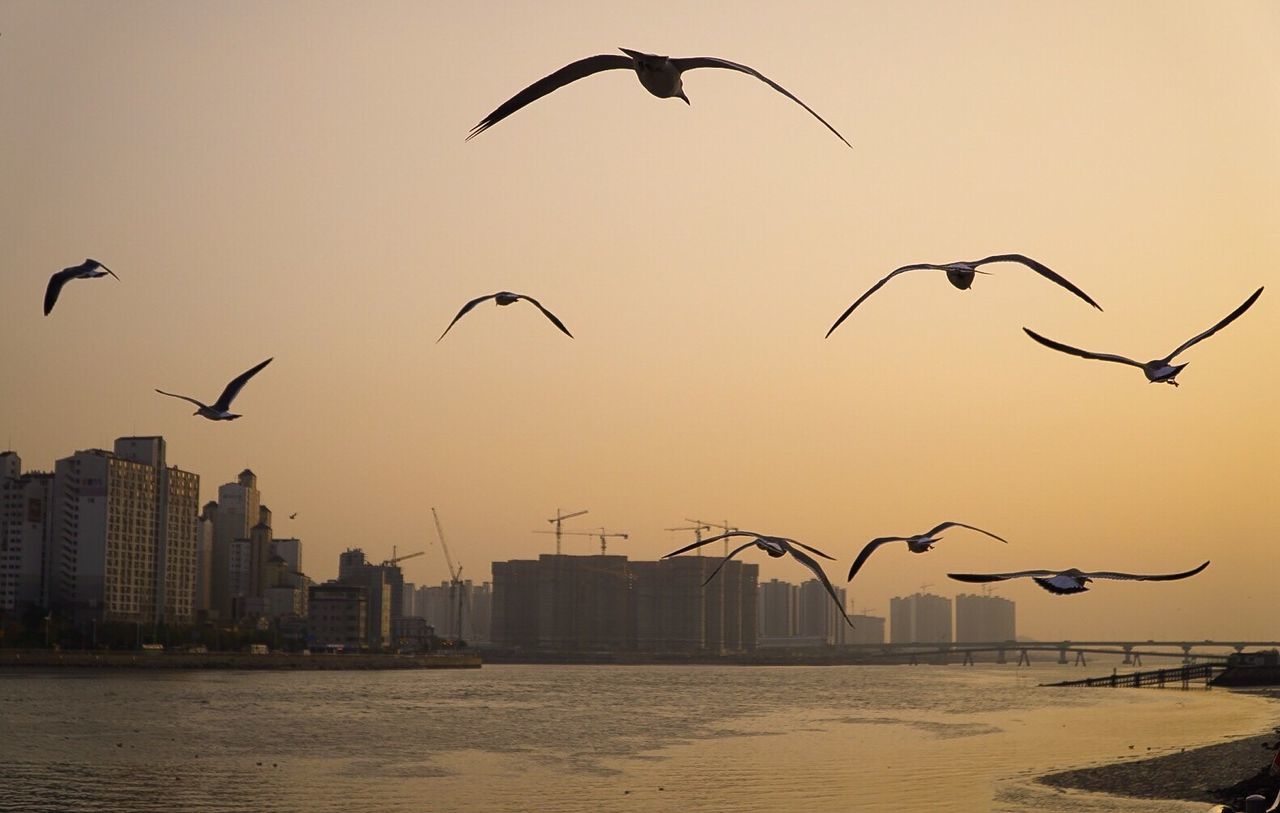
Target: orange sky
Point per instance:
(291, 180)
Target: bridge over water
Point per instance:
(1132, 651)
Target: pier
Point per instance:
(1199, 675)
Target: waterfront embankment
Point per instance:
(44, 659)
(1222, 773)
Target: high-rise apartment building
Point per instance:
(26, 513)
(236, 514)
(984, 618)
(921, 618)
(819, 619)
(123, 544)
(593, 603)
(289, 549)
(354, 569)
(779, 609)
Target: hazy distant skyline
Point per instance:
(291, 180)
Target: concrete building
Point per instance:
(606, 603)
(289, 549)
(236, 514)
(124, 535)
(26, 522)
(440, 606)
(921, 618)
(984, 618)
(779, 609)
(355, 570)
(819, 619)
(336, 617)
(202, 601)
(867, 629)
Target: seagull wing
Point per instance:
(55, 287)
(999, 577)
(711, 539)
(1041, 269)
(233, 389)
(183, 397)
(464, 310)
(688, 63)
(547, 314)
(1231, 317)
(877, 287)
(725, 561)
(569, 73)
(1167, 577)
(871, 548)
(945, 525)
(811, 563)
(1084, 354)
(97, 264)
(810, 548)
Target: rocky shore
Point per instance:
(1224, 773)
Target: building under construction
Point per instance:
(607, 603)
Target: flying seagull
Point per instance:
(962, 274)
(660, 75)
(920, 543)
(220, 409)
(506, 298)
(1161, 370)
(89, 269)
(775, 546)
(294, 515)
(1065, 582)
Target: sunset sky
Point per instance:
(291, 180)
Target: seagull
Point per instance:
(962, 274)
(1161, 370)
(294, 515)
(920, 543)
(506, 298)
(220, 409)
(775, 546)
(660, 75)
(1064, 582)
(89, 269)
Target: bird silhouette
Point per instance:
(660, 75)
(1157, 371)
(920, 543)
(89, 269)
(961, 275)
(507, 298)
(219, 410)
(1072, 580)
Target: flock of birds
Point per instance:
(662, 76)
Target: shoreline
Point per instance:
(47, 659)
(1219, 773)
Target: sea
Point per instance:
(589, 738)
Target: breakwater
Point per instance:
(43, 658)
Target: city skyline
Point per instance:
(303, 191)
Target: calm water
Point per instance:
(586, 738)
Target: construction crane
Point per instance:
(726, 527)
(601, 534)
(557, 520)
(394, 559)
(455, 580)
(697, 533)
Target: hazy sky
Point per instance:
(291, 180)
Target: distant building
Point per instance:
(290, 549)
(412, 634)
(984, 618)
(202, 600)
(778, 610)
(921, 618)
(606, 603)
(336, 617)
(867, 629)
(236, 514)
(124, 537)
(26, 522)
(353, 569)
(440, 606)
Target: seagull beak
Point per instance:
(680, 95)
